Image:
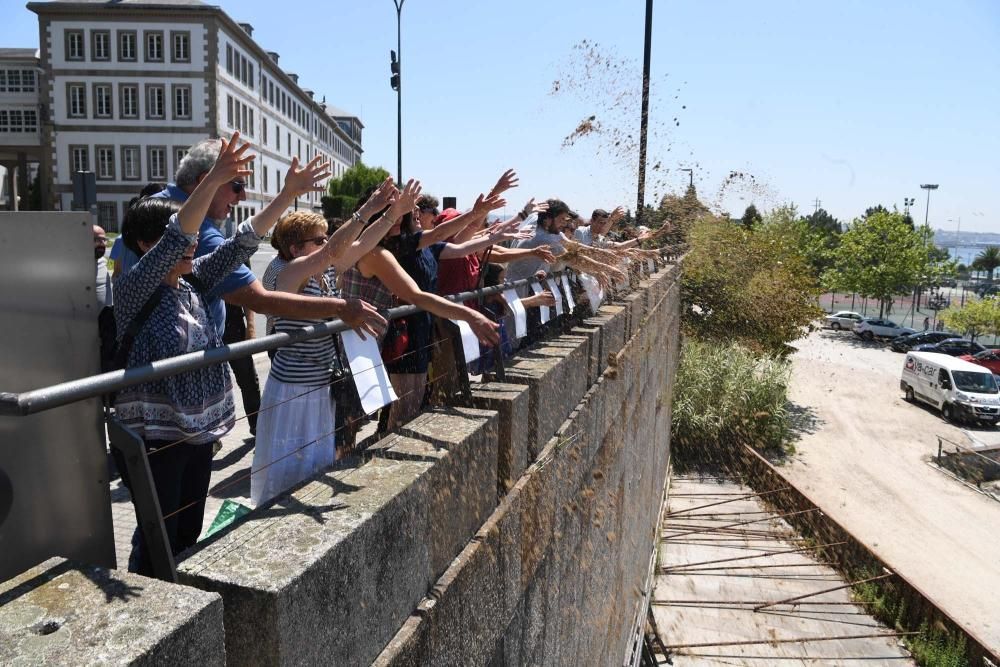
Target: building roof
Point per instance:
(18, 53)
(145, 4)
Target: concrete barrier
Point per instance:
(65, 613)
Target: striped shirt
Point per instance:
(312, 362)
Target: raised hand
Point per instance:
(544, 253)
(300, 181)
(232, 163)
(506, 181)
(383, 196)
(362, 317)
(486, 203)
(617, 214)
(543, 298)
(531, 207)
(405, 200)
(486, 331)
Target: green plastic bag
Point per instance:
(228, 513)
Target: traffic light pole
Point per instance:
(398, 78)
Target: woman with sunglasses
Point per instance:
(296, 437)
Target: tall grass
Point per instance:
(727, 395)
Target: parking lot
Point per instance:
(862, 453)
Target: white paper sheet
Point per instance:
(520, 315)
(593, 289)
(651, 265)
(370, 376)
(470, 344)
(538, 289)
(568, 292)
(554, 288)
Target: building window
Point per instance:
(17, 81)
(129, 102)
(277, 178)
(264, 177)
(157, 163)
(106, 212)
(229, 59)
(299, 152)
(270, 91)
(251, 125)
(102, 100)
(263, 130)
(154, 47)
(179, 153)
(74, 45)
(288, 135)
(76, 93)
(106, 163)
(182, 102)
(229, 110)
(130, 163)
(79, 158)
(252, 179)
(277, 137)
(250, 78)
(155, 102)
(243, 69)
(181, 42)
(100, 44)
(126, 45)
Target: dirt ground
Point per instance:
(862, 455)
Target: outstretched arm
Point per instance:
(297, 182)
(446, 230)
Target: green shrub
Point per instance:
(727, 395)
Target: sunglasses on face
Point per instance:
(319, 241)
(238, 187)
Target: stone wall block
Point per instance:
(62, 612)
(511, 402)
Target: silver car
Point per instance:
(871, 328)
(844, 319)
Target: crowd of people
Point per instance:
(178, 285)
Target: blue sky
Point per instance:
(855, 103)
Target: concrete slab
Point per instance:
(66, 613)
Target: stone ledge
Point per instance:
(511, 402)
(65, 613)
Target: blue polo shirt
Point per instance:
(210, 238)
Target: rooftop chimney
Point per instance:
(309, 93)
(293, 77)
(274, 56)
(247, 28)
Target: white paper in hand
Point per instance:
(470, 344)
(369, 373)
(537, 289)
(520, 315)
(554, 288)
(593, 289)
(568, 292)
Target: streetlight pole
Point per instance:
(644, 118)
(395, 67)
(690, 172)
(927, 211)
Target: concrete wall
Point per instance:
(518, 531)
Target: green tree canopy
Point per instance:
(988, 260)
(976, 318)
(751, 217)
(879, 256)
(753, 288)
(342, 193)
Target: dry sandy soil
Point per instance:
(862, 455)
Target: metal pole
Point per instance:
(644, 118)
(399, 92)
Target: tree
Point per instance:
(681, 212)
(755, 288)
(823, 221)
(814, 243)
(988, 260)
(343, 192)
(751, 218)
(879, 256)
(976, 318)
(872, 210)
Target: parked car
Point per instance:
(844, 319)
(987, 358)
(953, 347)
(906, 343)
(959, 389)
(871, 328)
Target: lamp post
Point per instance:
(927, 211)
(690, 172)
(395, 61)
(644, 117)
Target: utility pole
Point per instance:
(690, 172)
(817, 205)
(644, 119)
(395, 67)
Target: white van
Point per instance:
(959, 389)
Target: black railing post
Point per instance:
(147, 505)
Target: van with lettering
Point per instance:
(962, 391)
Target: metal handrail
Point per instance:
(54, 396)
(941, 439)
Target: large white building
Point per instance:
(123, 88)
